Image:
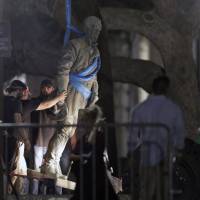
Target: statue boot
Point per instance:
(51, 166)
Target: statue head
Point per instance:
(92, 27)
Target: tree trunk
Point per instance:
(135, 71)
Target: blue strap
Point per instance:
(80, 88)
(69, 27)
(89, 72)
(90, 68)
(77, 79)
(68, 21)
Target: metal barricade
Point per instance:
(143, 170)
(90, 172)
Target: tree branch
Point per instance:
(134, 71)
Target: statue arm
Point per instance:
(68, 58)
(94, 96)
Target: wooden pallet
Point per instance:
(59, 181)
(34, 174)
(16, 172)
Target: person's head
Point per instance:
(92, 27)
(18, 89)
(46, 87)
(160, 85)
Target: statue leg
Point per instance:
(57, 144)
(56, 147)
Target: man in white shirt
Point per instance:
(153, 141)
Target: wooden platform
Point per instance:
(63, 182)
(38, 175)
(18, 173)
(59, 181)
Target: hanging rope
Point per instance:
(68, 21)
(69, 27)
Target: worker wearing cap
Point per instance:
(17, 109)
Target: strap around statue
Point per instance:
(77, 79)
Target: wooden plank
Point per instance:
(61, 182)
(38, 175)
(65, 184)
(18, 173)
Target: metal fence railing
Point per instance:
(91, 165)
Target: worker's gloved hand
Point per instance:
(61, 96)
(58, 112)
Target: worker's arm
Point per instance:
(49, 103)
(94, 95)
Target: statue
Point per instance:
(77, 74)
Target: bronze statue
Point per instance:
(77, 74)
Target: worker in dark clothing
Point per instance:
(22, 106)
(43, 135)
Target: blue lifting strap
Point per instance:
(69, 27)
(77, 79)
